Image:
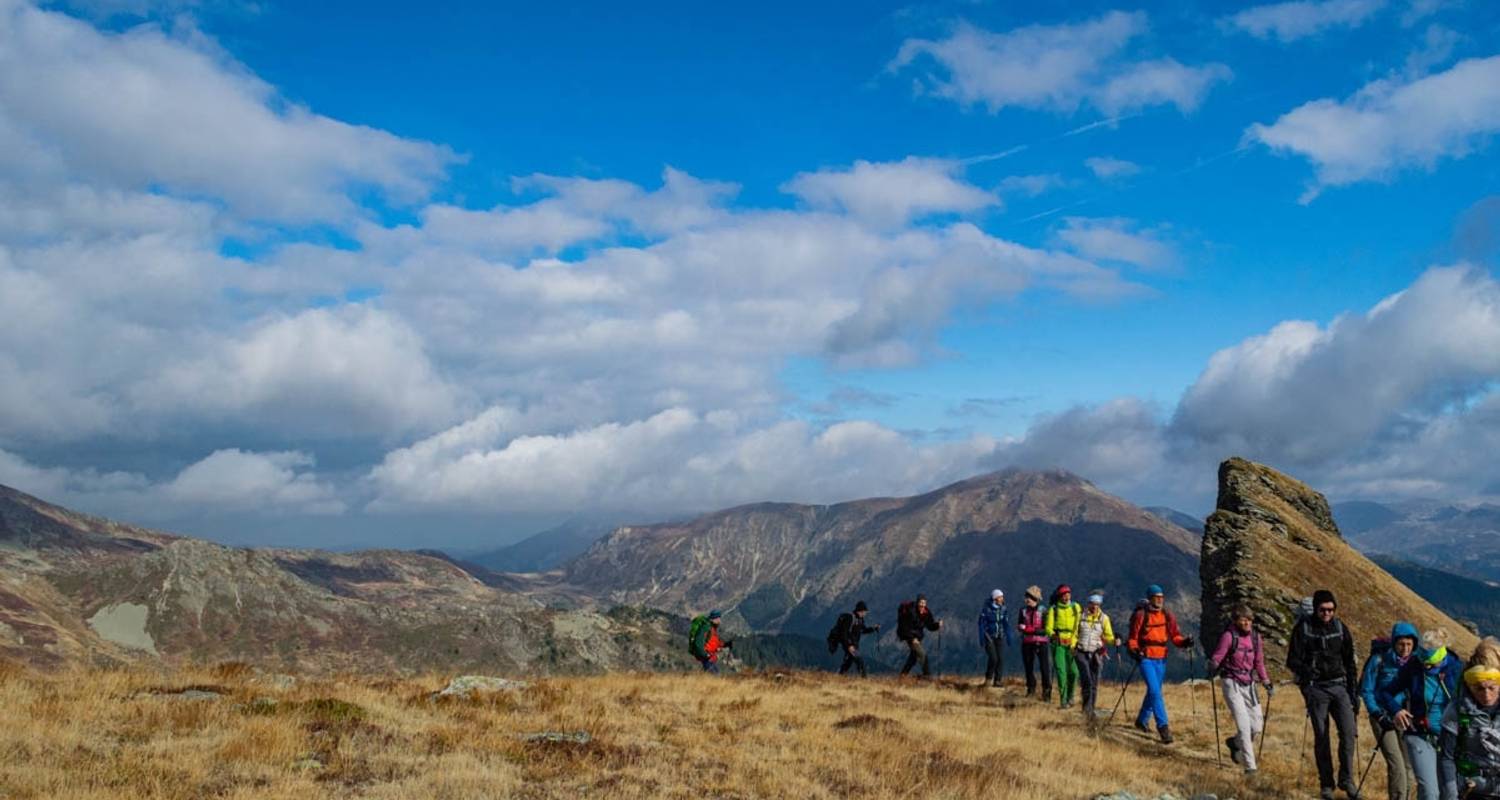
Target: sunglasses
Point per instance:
(1325, 609)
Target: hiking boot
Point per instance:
(1142, 727)
(1234, 750)
(1350, 791)
(1326, 793)
(1166, 734)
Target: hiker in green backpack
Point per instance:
(704, 642)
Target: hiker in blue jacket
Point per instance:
(1387, 657)
(1416, 700)
(994, 636)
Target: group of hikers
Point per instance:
(1435, 717)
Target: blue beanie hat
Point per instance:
(1154, 590)
(714, 614)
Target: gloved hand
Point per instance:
(877, 629)
(1137, 655)
(1270, 688)
(1187, 641)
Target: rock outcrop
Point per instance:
(1272, 541)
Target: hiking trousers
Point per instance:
(1090, 667)
(917, 656)
(1249, 721)
(1325, 701)
(1036, 654)
(1153, 671)
(1398, 781)
(1423, 756)
(994, 660)
(1067, 672)
(852, 660)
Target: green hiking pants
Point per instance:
(1065, 670)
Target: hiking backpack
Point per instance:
(699, 625)
(1257, 652)
(838, 634)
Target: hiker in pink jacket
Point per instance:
(1240, 663)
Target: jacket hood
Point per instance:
(1404, 629)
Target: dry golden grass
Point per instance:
(118, 734)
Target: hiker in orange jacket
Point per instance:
(1152, 629)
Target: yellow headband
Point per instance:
(1476, 675)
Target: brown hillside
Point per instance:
(1272, 541)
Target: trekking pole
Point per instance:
(1123, 690)
(1192, 683)
(1366, 774)
(1265, 726)
(1213, 701)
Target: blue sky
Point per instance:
(311, 273)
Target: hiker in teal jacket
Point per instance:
(994, 637)
(1387, 657)
(1416, 700)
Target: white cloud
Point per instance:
(323, 373)
(1307, 393)
(1391, 125)
(226, 481)
(1056, 67)
(891, 194)
(234, 480)
(1032, 185)
(142, 108)
(1107, 168)
(673, 460)
(1291, 21)
(1115, 239)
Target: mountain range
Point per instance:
(77, 588)
(1445, 536)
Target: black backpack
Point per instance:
(1234, 646)
(838, 634)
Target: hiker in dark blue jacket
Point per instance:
(1416, 700)
(1387, 657)
(994, 636)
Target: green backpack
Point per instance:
(699, 626)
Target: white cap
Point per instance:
(996, 595)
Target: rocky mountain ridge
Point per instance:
(789, 568)
(76, 588)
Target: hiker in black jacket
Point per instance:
(913, 620)
(848, 630)
(1321, 655)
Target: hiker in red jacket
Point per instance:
(1031, 620)
(1152, 628)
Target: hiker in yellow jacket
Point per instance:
(1062, 631)
(1094, 638)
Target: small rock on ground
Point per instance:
(466, 686)
(558, 737)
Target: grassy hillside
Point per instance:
(119, 734)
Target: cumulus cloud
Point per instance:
(1300, 19)
(1107, 168)
(1116, 239)
(225, 481)
(675, 459)
(891, 194)
(1056, 67)
(1391, 125)
(145, 108)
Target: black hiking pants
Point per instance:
(1037, 658)
(1325, 700)
(852, 660)
(994, 660)
(1090, 667)
(916, 656)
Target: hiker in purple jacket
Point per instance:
(1240, 663)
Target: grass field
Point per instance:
(119, 734)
